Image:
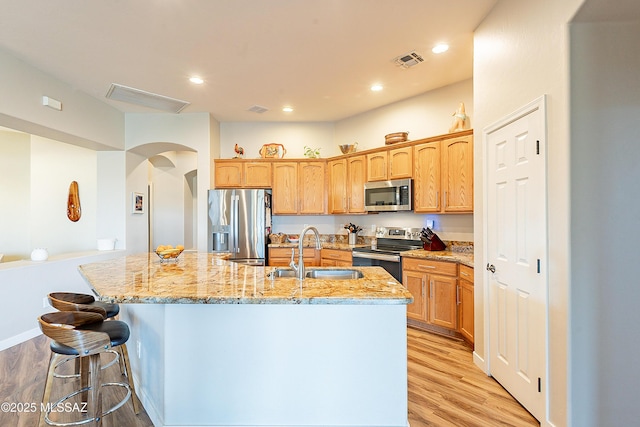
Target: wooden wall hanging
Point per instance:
(73, 203)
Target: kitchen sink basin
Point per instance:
(330, 274)
(335, 274)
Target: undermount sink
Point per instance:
(330, 274)
(337, 274)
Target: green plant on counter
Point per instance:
(311, 153)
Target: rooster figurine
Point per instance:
(239, 151)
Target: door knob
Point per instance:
(491, 268)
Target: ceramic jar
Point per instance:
(39, 254)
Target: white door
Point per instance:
(516, 255)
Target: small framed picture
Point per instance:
(137, 203)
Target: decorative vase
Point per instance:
(39, 254)
(352, 238)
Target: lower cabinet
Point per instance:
(465, 302)
(335, 258)
(433, 285)
(282, 256)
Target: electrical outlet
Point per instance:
(139, 349)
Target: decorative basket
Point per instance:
(392, 138)
(277, 238)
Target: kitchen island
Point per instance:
(215, 343)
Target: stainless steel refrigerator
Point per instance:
(239, 223)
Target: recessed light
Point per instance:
(196, 80)
(287, 109)
(440, 48)
(376, 88)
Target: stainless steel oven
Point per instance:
(386, 252)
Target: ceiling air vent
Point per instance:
(146, 99)
(258, 109)
(409, 59)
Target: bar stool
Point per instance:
(70, 301)
(87, 336)
(82, 302)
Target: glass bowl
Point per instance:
(169, 255)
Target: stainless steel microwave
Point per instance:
(388, 196)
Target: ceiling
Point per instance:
(318, 56)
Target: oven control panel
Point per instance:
(398, 233)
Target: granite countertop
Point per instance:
(205, 278)
(465, 258)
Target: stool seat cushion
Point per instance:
(111, 309)
(117, 330)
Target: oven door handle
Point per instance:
(381, 257)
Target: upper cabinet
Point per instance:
(441, 168)
(299, 187)
(390, 164)
(443, 176)
(346, 184)
(457, 174)
(235, 173)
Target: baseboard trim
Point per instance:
(20, 338)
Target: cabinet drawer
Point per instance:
(286, 252)
(466, 273)
(336, 254)
(429, 266)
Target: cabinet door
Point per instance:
(357, 175)
(400, 163)
(426, 180)
(257, 174)
(442, 301)
(228, 174)
(285, 188)
(457, 174)
(312, 187)
(338, 186)
(416, 283)
(377, 166)
(465, 310)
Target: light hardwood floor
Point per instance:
(445, 387)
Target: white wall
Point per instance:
(520, 53)
(422, 116)
(15, 186)
(293, 136)
(605, 210)
(23, 86)
(150, 134)
(54, 165)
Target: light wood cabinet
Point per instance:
(281, 257)
(457, 174)
(433, 285)
(346, 185)
(299, 188)
(426, 180)
(335, 258)
(242, 174)
(465, 303)
(390, 164)
(443, 176)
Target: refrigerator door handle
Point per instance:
(236, 225)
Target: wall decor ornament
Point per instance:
(459, 119)
(137, 203)
(272, 151)
(74, 212)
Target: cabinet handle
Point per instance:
(437, 200)
(462, 273)
(457, 295)
(426, 266)
(431, 288)
(444, 202)
(423, 288)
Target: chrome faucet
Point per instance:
(299, 269)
